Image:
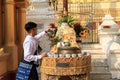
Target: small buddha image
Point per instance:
(67, 35)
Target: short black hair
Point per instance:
(30, 25)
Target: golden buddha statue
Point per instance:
(66, 34)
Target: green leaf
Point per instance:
(66, 18)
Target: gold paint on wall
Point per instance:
(0, 23)
(22, 32)
(91, 0)
(10, 36)
(9, 24)
(1, 36)
(75, 7)
(9, 57)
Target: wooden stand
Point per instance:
(77, 68)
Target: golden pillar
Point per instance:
(10, 34)
(0, 23)
(22, 32)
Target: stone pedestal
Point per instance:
(115, 64)
(114, 59)
(105, 39)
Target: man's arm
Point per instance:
(39, 35)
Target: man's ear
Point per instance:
(31, 31)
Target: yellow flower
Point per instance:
(84, 33)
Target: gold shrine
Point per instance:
(13, 17)
(66, 62)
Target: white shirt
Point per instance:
(30, 46)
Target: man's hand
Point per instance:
(48, 30)
(44, 54)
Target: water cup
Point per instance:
(74, 55)
(67, 55)
(55, 55)
(61, 55)
(79, 54)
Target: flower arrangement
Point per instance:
(52, 30)
(79, 30)
(52, 34)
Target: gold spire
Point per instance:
(64, 11)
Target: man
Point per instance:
(30, 47)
